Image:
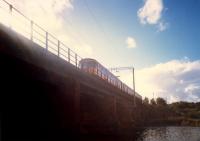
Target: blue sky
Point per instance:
(159, 38)
(165, 43)
(166, 46)
(111, 22)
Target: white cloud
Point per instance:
(151, 13)
(44, 12)
(174, 80)
(131, 42)
(162, 26)
(49, 15)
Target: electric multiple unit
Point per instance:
(93, 67)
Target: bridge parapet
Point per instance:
(45, 93)
(17, 21)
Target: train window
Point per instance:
(89, 66)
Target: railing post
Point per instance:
(58, 48)
(31, 30)
(97, 71)
(68, 55)
(10, 8)
(10, 12)
(46, 40)
(76, 60)
(134, 86)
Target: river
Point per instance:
(158, 134)
(170, 134)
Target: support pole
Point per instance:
(47, 41)
(31, 30)
(76, 60)
(68, 55)
(134, 87)
(58, 48)
(10, 12)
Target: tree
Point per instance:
(161, 102)
(146, 101)
(153, 102)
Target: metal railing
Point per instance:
(17, 21)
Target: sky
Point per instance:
(159, 38)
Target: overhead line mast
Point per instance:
(133, 71)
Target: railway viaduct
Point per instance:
(42, 95)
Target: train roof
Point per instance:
(93, 60)
(89, 59)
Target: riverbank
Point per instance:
(159, 113)
(178, 121)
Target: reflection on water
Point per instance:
(157, 134)
(170, 134)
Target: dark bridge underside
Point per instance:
(42, 97)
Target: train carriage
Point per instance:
(93, 67)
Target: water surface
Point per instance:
(170, 134)
(155, 134)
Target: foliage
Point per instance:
(153, 102)
(178, 113)
(161, 102)
(146, 101)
